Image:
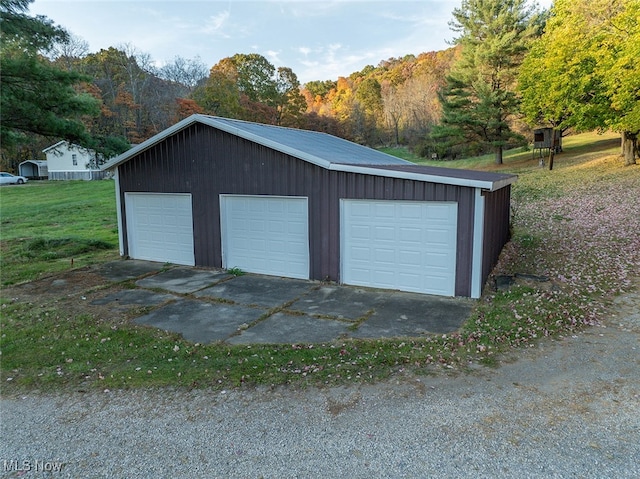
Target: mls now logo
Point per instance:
(36, 465)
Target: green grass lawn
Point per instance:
(47, 224)
(577, 148)
(576, 225)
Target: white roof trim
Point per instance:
(37, 162)
(54, 146)
(412, 175)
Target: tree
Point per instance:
(69, 54)
(219, 95)
(248, 87)
(319, 88)
(615, 44)
(186, 72)
(124, 76)
(36, 97)
(479, 99)
(583, 73)
(290, 103)
(255, 77)
(342, 103)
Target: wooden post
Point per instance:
(552, 150)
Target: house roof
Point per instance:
(60, 143)
(35, 162)
(69, 146)
(326, 151)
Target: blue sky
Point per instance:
(318, 40)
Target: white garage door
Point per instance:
(265, 234)
(404, 245)
(160, 227)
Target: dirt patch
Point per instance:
(76, 292)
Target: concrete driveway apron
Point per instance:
(207, 305)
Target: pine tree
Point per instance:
(35, 96)
(479, 98)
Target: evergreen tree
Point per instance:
(479, 99)
(35, 96)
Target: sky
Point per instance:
(318, 40)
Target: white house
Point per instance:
(67, 161)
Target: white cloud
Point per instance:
(273, 57)
(215, 23)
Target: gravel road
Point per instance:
(568, 408)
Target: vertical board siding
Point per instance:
(496, 227)
(207, 162)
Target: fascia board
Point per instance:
(410, 175)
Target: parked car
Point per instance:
(9, 179)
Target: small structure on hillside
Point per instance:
(543, 141)
(33, 169)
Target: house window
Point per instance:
(74, 158)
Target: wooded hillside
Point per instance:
(483, 94)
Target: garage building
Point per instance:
(216, 192)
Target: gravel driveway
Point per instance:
(564, 408)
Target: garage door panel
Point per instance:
(384, 233)
(413, 249)
(256, 226)
(359, 254)
(409, 258)
(409, 235)
(409, 211)
(440, 238)
(384, 255)
(276, 226)
(160, 227)
(384, 210)
(297, 228)
(266, 234)
(276, 246)
(435, 260)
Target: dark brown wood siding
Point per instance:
(207, 162)
(497, 215)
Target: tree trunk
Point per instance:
(552, 150)
(498, 155)
(629, 147)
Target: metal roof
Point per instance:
(36, 162)
(326, 151)
(307, 144)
